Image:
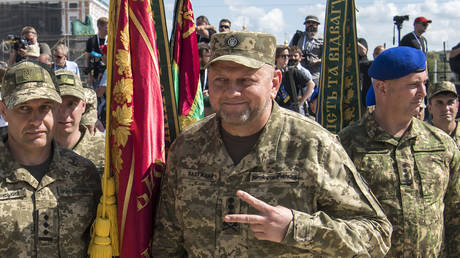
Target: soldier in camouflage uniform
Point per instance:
(410, 166)
(48, 195)
(254, 157)
(443, 106)
(69, 132)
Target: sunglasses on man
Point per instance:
(224, 27)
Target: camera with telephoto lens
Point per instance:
(398, 20)
(18, 42)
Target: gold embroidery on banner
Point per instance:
(117, 161)
(123, 91)
(122, 123)
(189, 16)
(124, 37)
(123, 60)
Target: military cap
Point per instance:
(69, 84)
(26, 81)
(251, 49)
(444, 86)
(33, 50)
(397, 62)
(311, 18)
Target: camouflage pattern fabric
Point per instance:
(89, 117)
(51, 218)
(92, 147)
(456, 134)
(295, 163)
(251, 49)
(28, 80)
(416, 180)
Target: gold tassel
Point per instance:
(111, 213)
(100, 243)
(104, 232)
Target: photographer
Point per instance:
(93, 59)
(28, 37)
(415, 38)
(295, 86)
(311, 46)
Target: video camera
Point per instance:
(18, 42)
(398, 20)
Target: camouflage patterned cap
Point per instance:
(33, 50)
(444, 86)
(251, 49)
(26, 81)
(70, 84)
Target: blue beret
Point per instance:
(370, 97)
(397, 62)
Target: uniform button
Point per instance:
(405, 170)
(46, 217)
(45, 232)
(46, 224)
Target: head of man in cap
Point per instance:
(32, 52)
(29, 103)
(443, 105)
(420, 25)
(399, 75)
(71, 110)
(243, 81)
(311, 24)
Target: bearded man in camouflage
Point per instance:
(48, 195)
(70, 133)
(257, 180)
(410, 166)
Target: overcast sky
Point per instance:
(374, 17)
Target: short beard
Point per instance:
(243, 117)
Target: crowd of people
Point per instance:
(257, 176)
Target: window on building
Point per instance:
(73, 5)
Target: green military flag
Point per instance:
(339, 92)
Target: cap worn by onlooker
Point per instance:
(26, 81)
(251, 49)
(90, 115)
(69, 84)
(397, 62)
(444, 86)
(311, 18)
(32, 51)
(422, 20)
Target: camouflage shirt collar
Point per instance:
(456, 132)
(269, 136)
(14, 172)
(375, 131)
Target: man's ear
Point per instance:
(3, 110)
(380, 87)
(276, 82)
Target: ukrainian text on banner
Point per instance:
(135, 123)
(339, 92)
(164, 58)
(186, 65)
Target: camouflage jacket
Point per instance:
(51, 218)
(296, 164)
(456, 134)
(416, 180)
(92, 147)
